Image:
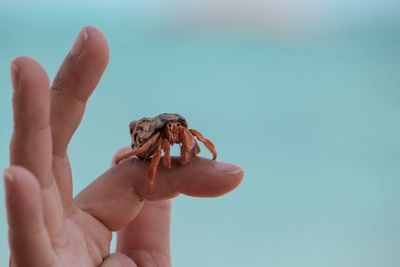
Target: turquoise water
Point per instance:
(314, 121)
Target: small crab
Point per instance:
(152, 135)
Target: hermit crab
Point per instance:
(151, 136)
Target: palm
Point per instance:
(50, 228)
(72, 247)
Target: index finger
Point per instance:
(117, 195)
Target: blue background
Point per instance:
(313, 116)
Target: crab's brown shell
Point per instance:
(161, 120)
(140, 134)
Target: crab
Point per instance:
(151, 136)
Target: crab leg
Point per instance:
(155, 161)
(188, 142)
(206, 142)
(167, 154)
(139, 150)
(197, 149)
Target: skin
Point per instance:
(47, 226)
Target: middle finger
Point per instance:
(75, 81)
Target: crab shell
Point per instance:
(154, 125)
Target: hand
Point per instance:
(47, 227)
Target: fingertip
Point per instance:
(236, 178)
(19, 179)
(84, 65)
(229, 177)
(214, 179)
(97, 43)
(23, 60)
(237, 174)
(25, 71)
(22, 195)
(23, 63)
(93, 31)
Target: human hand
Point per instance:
(47, 227)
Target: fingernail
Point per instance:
(15, 75)
(8, 184)
(229, 168)
(236, 171)
(80, 42)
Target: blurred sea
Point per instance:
(314, 119)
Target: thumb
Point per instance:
(28, 237)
